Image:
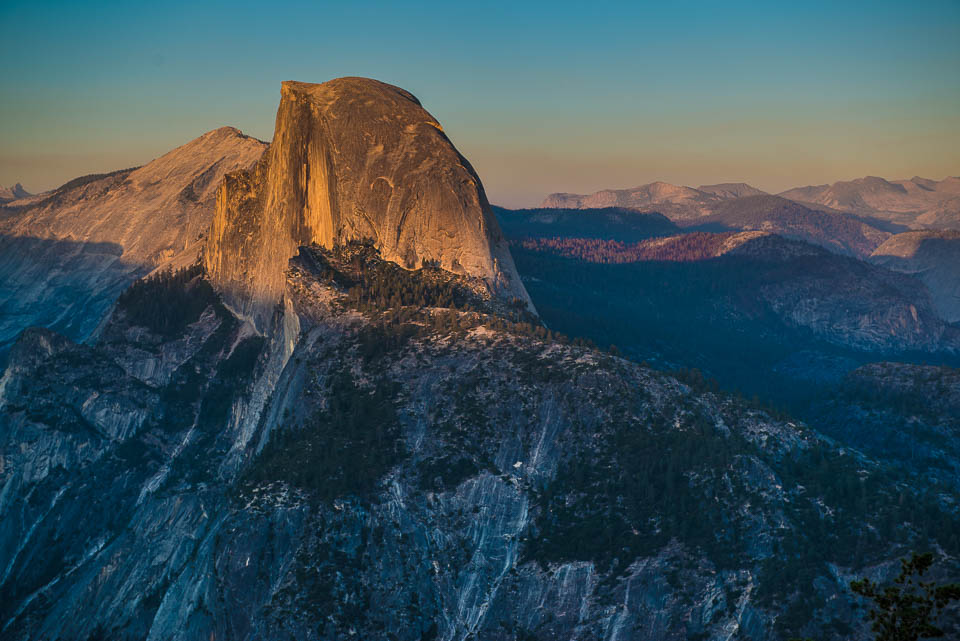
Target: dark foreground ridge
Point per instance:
(399, 459)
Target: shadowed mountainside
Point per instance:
(63, 285)
(931, 256)
(841, 233)
(751, 309)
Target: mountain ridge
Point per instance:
(337, 426)
(918, 203)
(67, 254)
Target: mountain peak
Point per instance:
(731, 190)
(19, 191)
(349, 87)
(353, 159)
(13, 193)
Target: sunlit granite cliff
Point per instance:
(353, 158)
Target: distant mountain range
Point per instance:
(918, 203)
(8, 194)
(676, 202)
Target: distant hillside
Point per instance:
(934, 258)
(736, 207)
(919, 203)
(841, 233)
(731, 190)
(690, 247)
(611, 222)
(674, 201)
(751, 308)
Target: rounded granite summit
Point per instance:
(349, 88)
(352, 159)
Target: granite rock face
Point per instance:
(65, 256)
(353, 158)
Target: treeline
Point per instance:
(373, 284)
(386, 287)
(167, 301)
(340, 452)
(634, 496)
(684, 248)
(406, 304)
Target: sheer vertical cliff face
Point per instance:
(351, 159)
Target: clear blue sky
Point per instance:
(540, 96)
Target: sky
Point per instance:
(539, 96)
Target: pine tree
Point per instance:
(909, 609)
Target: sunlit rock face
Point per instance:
(66, 255)
(353, 159)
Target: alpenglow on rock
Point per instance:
(66, 255)
(353, 159)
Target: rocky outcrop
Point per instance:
(65, 256)
(934, 258)
(351, 159)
